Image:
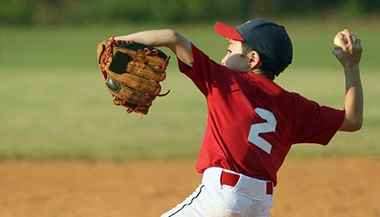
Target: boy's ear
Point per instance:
(254, 59)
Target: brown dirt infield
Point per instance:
(347, 187)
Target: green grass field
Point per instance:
(55, 106)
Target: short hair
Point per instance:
(246, 49)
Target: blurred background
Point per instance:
(58, 12)
(55, 106)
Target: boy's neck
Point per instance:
(260, 72)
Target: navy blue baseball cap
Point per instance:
(269, 39)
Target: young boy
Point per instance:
(252, 122)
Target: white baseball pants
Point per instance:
(225, 193)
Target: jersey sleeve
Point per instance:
(204, 72)
(316, 124)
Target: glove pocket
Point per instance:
(146, 86)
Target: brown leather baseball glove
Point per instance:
(132, 73)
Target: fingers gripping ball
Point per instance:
(132, 73)
(338, 41)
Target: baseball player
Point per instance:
(252, 122)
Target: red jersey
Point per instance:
(252, 122)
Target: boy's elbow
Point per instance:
(171, 37)
(357, 122)
(355, 126)
(351, 126)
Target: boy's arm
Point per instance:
(179, 45)
(349, 56)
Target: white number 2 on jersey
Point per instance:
(269, 126)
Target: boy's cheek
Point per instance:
(237, 62)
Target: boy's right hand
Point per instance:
(350, 52)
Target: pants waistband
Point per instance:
(243, 185)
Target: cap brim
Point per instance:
(227, 31)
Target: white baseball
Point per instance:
(337, 41)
